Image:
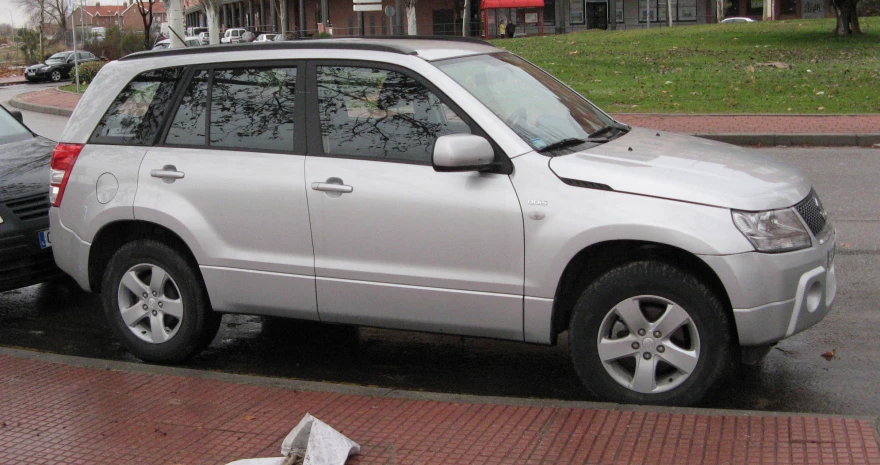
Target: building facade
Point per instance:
(530, 17)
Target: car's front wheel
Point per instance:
(649, 333)
(156, 303)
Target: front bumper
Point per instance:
(777, 295)
(23, 261)
(42, 73)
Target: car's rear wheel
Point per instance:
(55, 76)
(649, 333)
(156, 303)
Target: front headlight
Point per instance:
(774, 230)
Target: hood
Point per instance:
(686, 168)
(24, 168)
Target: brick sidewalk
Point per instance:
(54, 413)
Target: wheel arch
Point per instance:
(113, 235)
(596, 259)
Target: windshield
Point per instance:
(58, 57)
(536, 106)
(11, 130)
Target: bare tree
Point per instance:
(55, 10)
(145, 8)
(212, 12)
(36, 10)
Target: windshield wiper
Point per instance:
(561, 144)
(605, 129)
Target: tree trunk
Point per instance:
(854, 20)
(213, 17)
(282, 15)
(847, 17)
(411, 26)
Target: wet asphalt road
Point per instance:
(58, 317)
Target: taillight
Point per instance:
(63, 158)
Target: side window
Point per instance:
(136, 114)
(251, 108)
(188, 126)
(383, 114)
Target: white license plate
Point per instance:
(45, 243)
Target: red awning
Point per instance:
(489, 4)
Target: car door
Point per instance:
(229, 179)
(398, 244)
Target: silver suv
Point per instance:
(431, 185)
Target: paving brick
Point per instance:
(54, 413)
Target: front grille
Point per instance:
(29, 208)
(813, 213)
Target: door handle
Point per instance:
(168, 173)
(331, 187)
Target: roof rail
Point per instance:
(285, 45)
(470, 40)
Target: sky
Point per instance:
(10, 11)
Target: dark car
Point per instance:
(25, 247)
(57, 66)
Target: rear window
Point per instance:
(135, 116)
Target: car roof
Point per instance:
(429, 48)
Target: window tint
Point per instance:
(376, 113)
(253, 108)
(188, 126)
(250, 109)
(136, 114)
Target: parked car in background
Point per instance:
(57, 66)
(99, 32)
(204, 38)
(25, 244)
(737, 20)
(270, 37)
(445, 186)
(233, 36)
(195, 31)
(187, 41)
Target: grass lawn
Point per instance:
(72, 87)
(716, 68)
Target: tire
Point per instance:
(680, 367)
(55, 76)
(179, 303)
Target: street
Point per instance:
(58, 317)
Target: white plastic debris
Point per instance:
(315, 442)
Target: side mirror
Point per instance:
(17, 114)
(462, 152)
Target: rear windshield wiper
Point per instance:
(561, 144)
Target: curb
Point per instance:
(13, 83)
(373, 391)
(48, 109)
(815, 140)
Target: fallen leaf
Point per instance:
(250, 417)
(846, 244)
(573, 53)
(750, 69)
(829, 355)
(820, 108)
